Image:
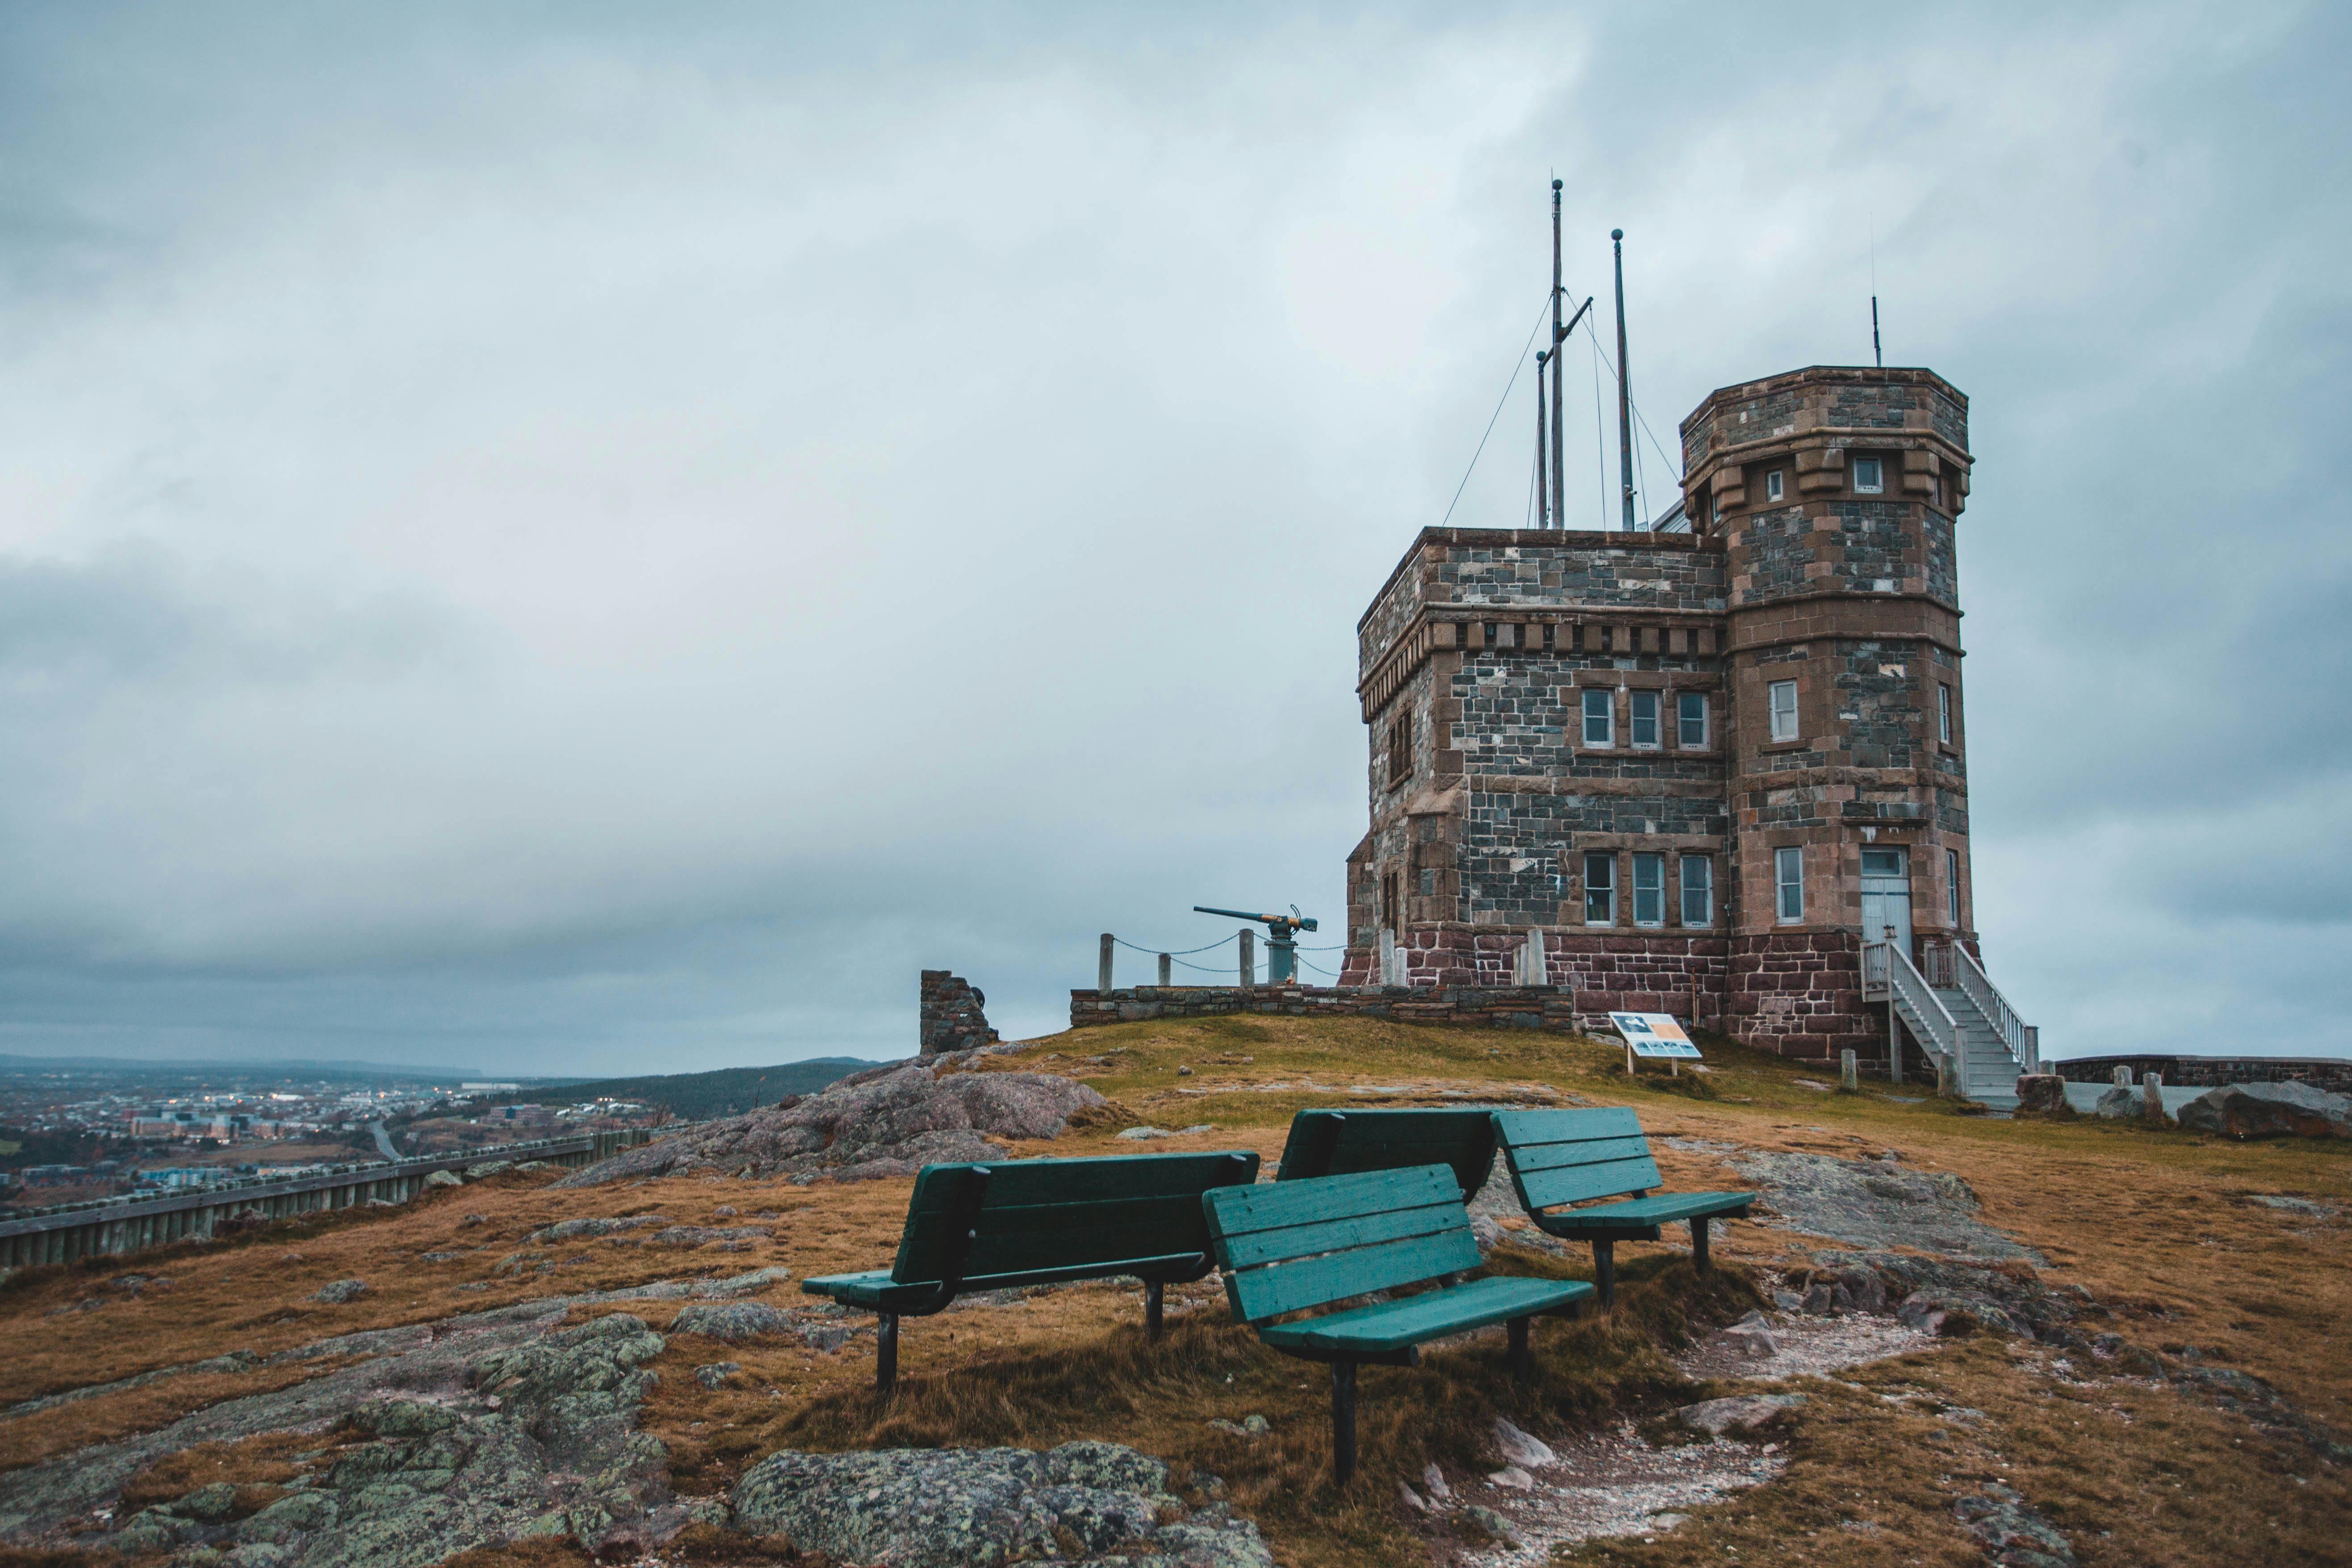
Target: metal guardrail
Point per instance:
(126, 1224)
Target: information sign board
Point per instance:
(1655, 1035)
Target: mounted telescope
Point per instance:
(1281, 944)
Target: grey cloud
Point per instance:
(590, 540)
(137, 615)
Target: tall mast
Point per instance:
(1543, 499)
(1624, 386)
(1560, 510)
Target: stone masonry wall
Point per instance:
(950, 1015)
(1800, 993)
(2211, 1072)
(1485, 1007)
(1621, 971)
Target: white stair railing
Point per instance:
(2022, 1038)
(1887, 971)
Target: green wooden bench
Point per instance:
(1342, 1142)
(1291, 1246)
(1040, 1222)
(1574, 1156)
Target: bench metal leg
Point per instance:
(1605, 1272)
(885, 1352)
(1698, 1243)
(1152, 1302)
(1343, 1419)
(1523, 1364)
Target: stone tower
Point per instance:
(1702, 761)
(1834, 491)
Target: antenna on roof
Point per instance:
(1558, 431)
(1877, 357)
(1624, 386)
(1543, 498)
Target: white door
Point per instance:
(1887, 897)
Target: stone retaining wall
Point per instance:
(1477, 1007)
(2211, 1072)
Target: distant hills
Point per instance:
(696, 1096)
(209, 1069)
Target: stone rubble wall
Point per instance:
(951, 1018)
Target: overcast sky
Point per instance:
(575, 538)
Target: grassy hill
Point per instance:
(728, 1092)
(2187, 1421)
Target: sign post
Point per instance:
(1656, 1035)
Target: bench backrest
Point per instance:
(1290, 1245)
(1039, 1216)
(1568, 1156)
(1342, 1142)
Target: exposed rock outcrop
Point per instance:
(2012, 1529)
(1867, 1203)
(1082, 1503)
(2270, 1110)
(493, 1429)
(884, 1122)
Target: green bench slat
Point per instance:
(1058, 1214)
(1521, 1128)
(1041, 1236)
(1392, 1325)
(1652, 1212)
(1238, 1211)
(1092, 1179)
(1579, 1152)
(1309, 1233)
(877, 1290)
(1291, 1287)
(1389, 1140)
(1615, 1178)
(1251, 1249)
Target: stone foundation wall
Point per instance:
(2211, 1072)
(1800, 993)
(1474, 1006)
(1625, 971)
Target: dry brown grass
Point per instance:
(2159, 1225)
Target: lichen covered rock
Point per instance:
(1083, 1502)
(511, 1430)
(732, 1321)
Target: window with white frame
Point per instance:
(1645, 719)
(1599, 719)
(1648, 890)
(1599, 889)
(1690, 721)
(1952, 885)
(1869, 477)
(1783, 705)
(1943, 714)
(1699, 890)
(1772, 486)
(1789, 883)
